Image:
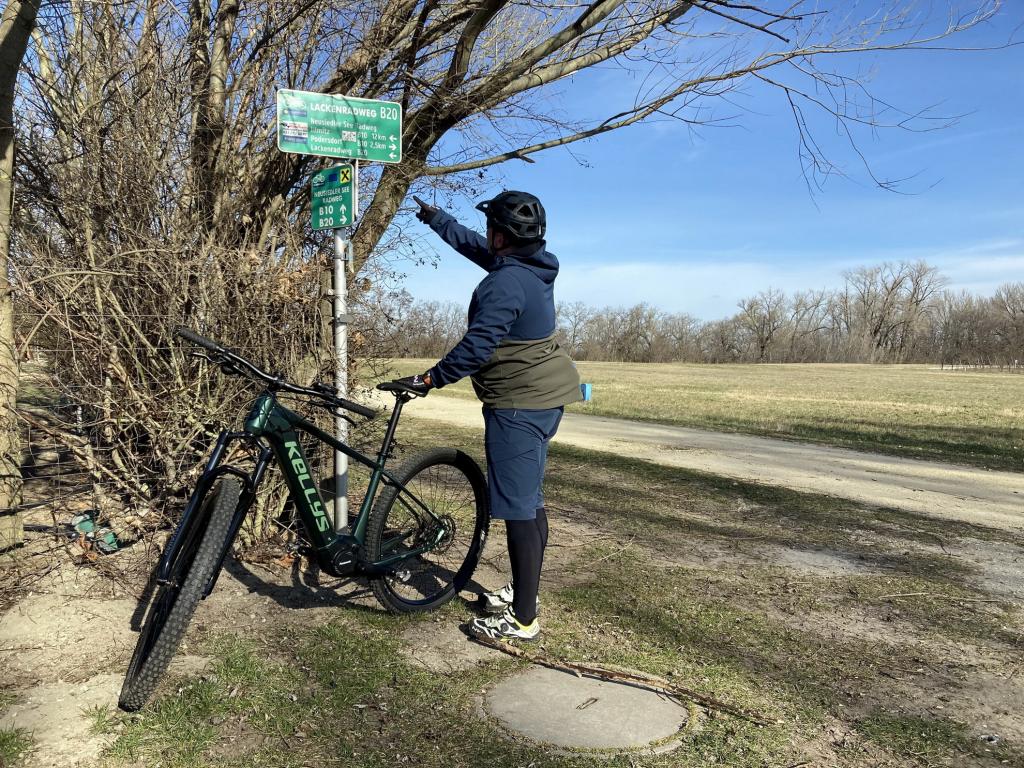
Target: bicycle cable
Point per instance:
(233, 364)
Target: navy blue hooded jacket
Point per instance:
(509, 347)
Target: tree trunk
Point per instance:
(18, 20)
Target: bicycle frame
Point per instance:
(275, 429)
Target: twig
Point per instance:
(902, 594)
(656, 684)
(949, 597)
(618, 551)
(976, 599)
(571, 510)
(34, 577)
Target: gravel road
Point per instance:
(948, 491)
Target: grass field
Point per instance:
(908, 410)
(869, 638)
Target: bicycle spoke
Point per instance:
(450, 496)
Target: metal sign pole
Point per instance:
(342, 257)
(341, 244)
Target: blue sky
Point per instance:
(695, 221)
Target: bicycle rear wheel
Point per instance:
(175, 600)
(453, 487)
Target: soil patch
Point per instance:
(69, 630)
(439, 645)
(56, 713)
(817, 562)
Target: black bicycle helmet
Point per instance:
(518, 213)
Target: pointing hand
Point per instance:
(426, 211)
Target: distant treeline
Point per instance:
(890, 313)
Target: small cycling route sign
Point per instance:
(322, 124)
(334, 198)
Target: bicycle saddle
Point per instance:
(398, 388)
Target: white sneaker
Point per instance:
(504, 627)
(497, 601)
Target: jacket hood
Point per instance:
(536, 258)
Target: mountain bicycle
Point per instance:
(418, 535)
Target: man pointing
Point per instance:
(522, 377)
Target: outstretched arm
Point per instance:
(464, 240)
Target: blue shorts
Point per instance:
(516, 444)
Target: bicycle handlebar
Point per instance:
(201, 341)
(274, 382)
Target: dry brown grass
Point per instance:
(910, 410)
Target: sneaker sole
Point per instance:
(468, 629)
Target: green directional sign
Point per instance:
(334, 197)
(339, 126)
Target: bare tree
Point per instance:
(921, 322)
(807, 320)
(681, 332)
(572, 321)
(19, 19)
(721, 341)
(883, 305)
(431, 328)
(763, 317)
(1008, 307)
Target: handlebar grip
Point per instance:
(195, 338)
(362, 410)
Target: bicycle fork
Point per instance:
(213, 471)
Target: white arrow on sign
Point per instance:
(344, 210)
(392, 155)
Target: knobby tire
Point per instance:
(174, 604)
(453, 486)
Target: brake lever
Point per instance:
(217, 360)
(335, 410)
(345, 416)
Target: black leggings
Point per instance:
(527, 540)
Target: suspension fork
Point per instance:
(203, 486)
(249, 489)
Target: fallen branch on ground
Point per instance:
(618, 551)
(947, 597)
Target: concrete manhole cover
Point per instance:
(559, 708)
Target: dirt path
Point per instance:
(940, 490)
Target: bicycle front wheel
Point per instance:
(175, 600)
(437, 554)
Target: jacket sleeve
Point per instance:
(500, 299)
(464, 240)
